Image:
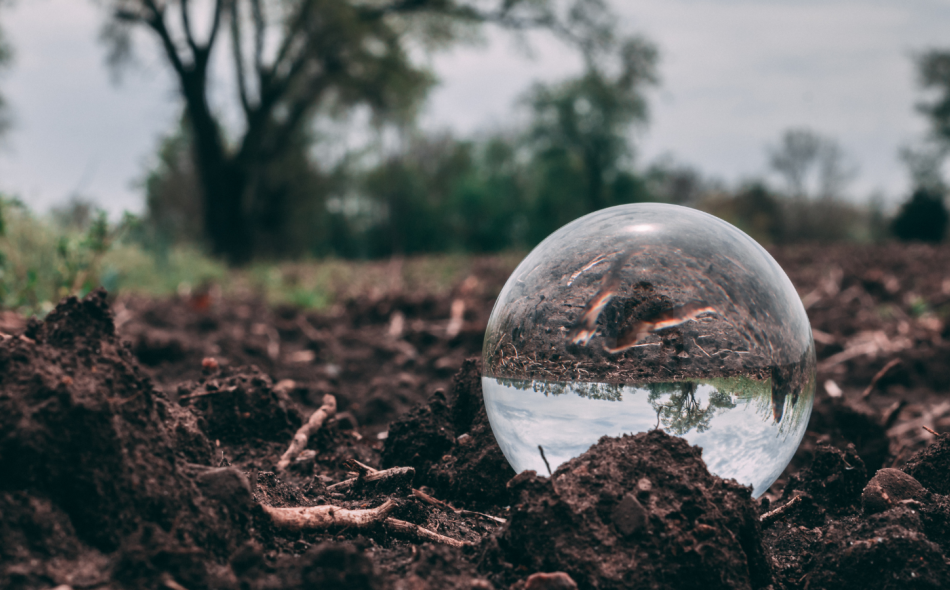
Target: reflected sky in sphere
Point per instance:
(651, 316)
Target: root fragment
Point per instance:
(414, 530)
(769, 517)
(395, 473)
(324, 517)
(299, 442)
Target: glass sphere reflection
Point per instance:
(650, 316)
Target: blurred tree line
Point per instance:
(266, 193)
(264, 186)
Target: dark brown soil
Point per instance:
(128, 462)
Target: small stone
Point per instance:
(889, 487)
(552, 581)
(644, 485)
(629, 516)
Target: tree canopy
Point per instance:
(6, 53)
(293, 58)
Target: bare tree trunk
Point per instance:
(224, 179)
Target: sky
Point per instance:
(734, 75)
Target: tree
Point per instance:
(678, 409)
(933, 71)
(6, 54)
(812, 166)
(584, 123)
(294, 58)
(923, 217)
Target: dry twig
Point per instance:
(312, 425)
(406, 473)
(877, 377)
(449, 508)
(889, 417)
(927, 418)
(207, 393)
(773, 515)
(401, 526)
(367, 472)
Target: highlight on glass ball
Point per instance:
(650, 316)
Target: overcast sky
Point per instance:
(735, 74)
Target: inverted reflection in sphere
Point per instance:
(650, 316)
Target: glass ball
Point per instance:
(650, 316)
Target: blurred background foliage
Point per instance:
(275, 189)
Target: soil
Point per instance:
(139, 441)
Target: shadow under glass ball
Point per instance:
(650, 316)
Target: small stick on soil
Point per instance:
(892, 412)
(701, 348)
(433, 501)
(394, 473)
(769, 517)
(363, 467)
(877, 377)
(368, 472)
(323, 517)
(931, 431)
(401, 526)
(449, 508)
(496, 519)
(311, 333)
(312, 425)
(546, 464)
(207, 393)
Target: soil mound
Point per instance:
(834, 480)
(90, 451)
(887, 550)
(241, 404)
(451, 445)
(825, 541)
(931, 466)
(633, 512)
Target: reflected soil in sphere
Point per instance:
(651, 316)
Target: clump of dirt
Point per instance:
(327, 566)
(887, 550)
(241, 405)
(898, 537)
(90, 451)
(631, 512)
(931, 466)
(451, 445)
(834, 480)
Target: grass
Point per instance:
(40, 263)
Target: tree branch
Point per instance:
(296, 25)
(186, 25)
(260, 26)
(237, 42)
(156, 21)
(215, 25)
(296, 114)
